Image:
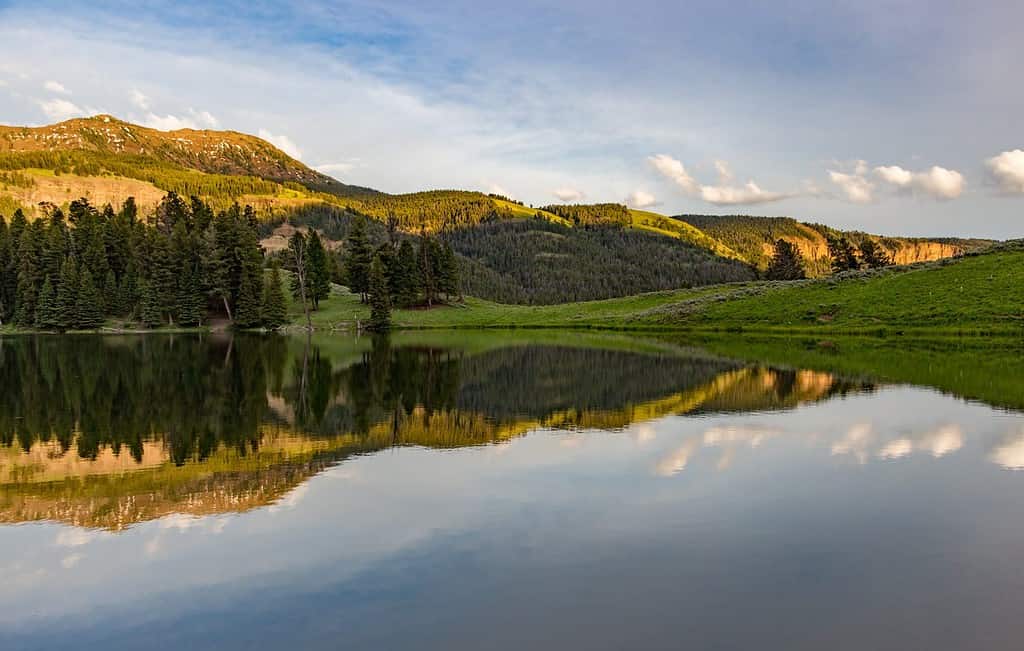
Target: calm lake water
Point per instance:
(502, 491)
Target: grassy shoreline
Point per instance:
(976, 296)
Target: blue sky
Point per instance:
(897, 117)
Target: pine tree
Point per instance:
(67, 294)
(162, 281)
(448, 276)
(380, 303)
(319, 277)
(189, 305)
(844, 256)
(787, 263)
(111, 293)
(358, 259)
(47, 313)
(275, 311)
(427, 262)
(88, 308)
(247, 311)
(874, 256)
(405, 281)
(152, 316)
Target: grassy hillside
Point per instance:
(977, 294)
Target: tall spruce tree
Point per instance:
(358, 258)
(405, 281)
(275, 311)
(787, 262)
(319, 277)
(427, 257)
(47, 312)
(88, 306)
(67, 294)
(448, 271)
(151, 313)
(380, 302)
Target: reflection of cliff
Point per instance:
(194, 427)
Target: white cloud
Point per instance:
(56, 87)
(342, 167)
(204, 118)
(854, 187)
(569, 195)
(640, 199)
(724, 194)
(1007, 169)
(939, 183)
(282, 142)
(168, 122)
(494, 188)
(750, 193)
(194, 120)
(936, 182)
(895, 175)
(855, 442)
(139, 99)
(674, 171)
(675, 461)
(61, 109)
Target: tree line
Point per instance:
(176, 267)
(787, 262)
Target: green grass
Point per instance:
(343, 310)
(976, 295)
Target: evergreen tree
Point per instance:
(88, 308)
(844, 256)
(427, 257)
(358, 259)
(247, 311)
(47, 313)
(380, 303)
(787, 263)
(874, 256)
(190, 301)
(319, 277)
(67, 294)
(6, 302)
(405, 280)
(448, 271)
(152, 315)
(275, 311)
(111, 294)
(163, 276)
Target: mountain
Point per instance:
(214, 152)
(585, 251)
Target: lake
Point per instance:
(489, 490)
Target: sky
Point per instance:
(900, 117)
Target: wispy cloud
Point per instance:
(61, 109)
(56, 87)
(641, 199)
(569, 195)
(282, 142)
(723, 194)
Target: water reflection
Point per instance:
(107, 432)
(230, 491)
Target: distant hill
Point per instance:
(108, 160)
(214, 152)
(752, 238)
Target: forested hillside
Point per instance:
(538, 262)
